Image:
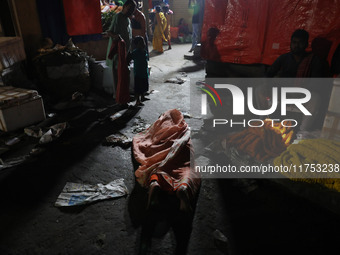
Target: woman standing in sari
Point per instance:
(167, 13)
(160, 25)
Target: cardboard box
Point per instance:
(11, 51)
(334, 102)
(19, 108)
(331, 126)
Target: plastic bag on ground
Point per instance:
(80, 194)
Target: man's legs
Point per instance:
(195, 27)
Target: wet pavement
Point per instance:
(265, 220)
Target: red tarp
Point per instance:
(258, 31)
(82, 17)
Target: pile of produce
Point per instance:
(264, 142)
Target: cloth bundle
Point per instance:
(164, 150)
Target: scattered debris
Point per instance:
(219, 236)
(152, 92)
(37, 151)
(100, 240)
(79, 193)
(12, 162)
(62, 70)
(184, 74)
(77, 96)
(177, 80)
(118, 139)
(187, 115)
(53, 133)
(51, 115)
(34, 131)
(12, 141)
(101, 109)
(200, 82)
(221, 241)
(117, 115)
(47, 137)
(139, 125)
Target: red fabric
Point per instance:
(259, 31)
(209, 49)
(174, 32)
(122, 92)
(241, 25)
(321, 47)
(319, 18)
(83, 17)
(152, 146)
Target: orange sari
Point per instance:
(158, 35)
(163, 151)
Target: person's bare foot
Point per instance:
(182, 194)
(154, 190)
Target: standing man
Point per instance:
(120, 27)
(195, 22)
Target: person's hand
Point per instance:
(105, 35)
(114, 37)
